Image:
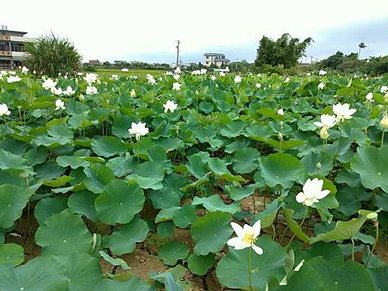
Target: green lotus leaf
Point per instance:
(281, 169)
(379, 276)
(197, 164)
(119, 202)
(108, 146)
(9, 161)
(232, 129)
(13, 199)
(239, 193)
(122, 166)
(124, 239)
(371, 163)
(12, 254)
(218, 166)
(173, 251)
(214, 203)
(41, 273)
(73, 162)
(245, 160)
(199, 265)
(232, 269)
(148, 179)
(343, 230)
(184, 216)
(211, 232)
(62, 234)
(321, 275)
(120, 126)
(48, 207)
(81, 270)
(82, 202)
(97, 177)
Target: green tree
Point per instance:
(51, 55)
(285, 51)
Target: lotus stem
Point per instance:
(376, 224)
(300, 226)
(250, 269)
(382, 138)
(352, 240)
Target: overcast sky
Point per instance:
(147, 30)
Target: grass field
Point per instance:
(108, 72)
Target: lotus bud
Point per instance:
(81, 97)
(384, 121)
(323, 133)
(318, 165)
(280, 136)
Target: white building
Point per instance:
(215, 59)
(12, 47)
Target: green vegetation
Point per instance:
(51, 55)
(94, 169)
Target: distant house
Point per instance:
(94, 62)
(12, 47)
(215, 59)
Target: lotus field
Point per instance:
(248, 182)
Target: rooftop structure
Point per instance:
(12, 47)
(216, 59)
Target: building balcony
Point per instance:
(5, 53)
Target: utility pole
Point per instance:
(177, 52)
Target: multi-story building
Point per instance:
(215, 59)
(12, 47)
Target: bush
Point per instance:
(51, 55)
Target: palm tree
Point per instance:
(360, 47)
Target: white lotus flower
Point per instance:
(177, 70)
(59, 104)
(321, 86)
(237, 79)
(69, 91)
(91, 78)
(176, 86)
(384, 89)
(56, 91)
(133, 93)
(24, 70)
(176, 77)
(280, 112)
(327, 121)
(49, 84)
(150, 79)
(246, 237)
(114, 77)
(286, 80)
(213, 78)
(322, 73)
(369, 97)
(258, 85)
(312, 192)
(138, 129)
(170, 105)
(13, 79)
(91, 90)
(4, 109)
(342, 111)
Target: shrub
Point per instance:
(51, 55)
